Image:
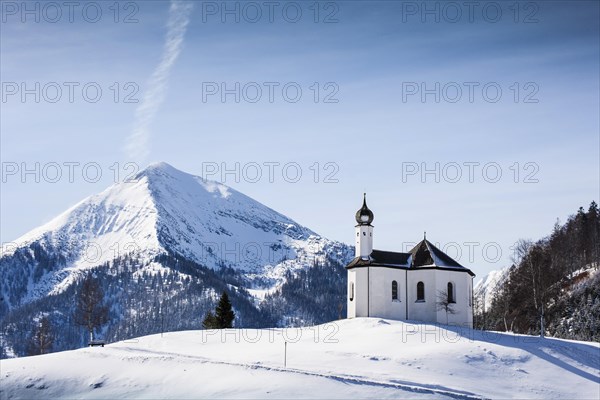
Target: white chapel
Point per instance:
(424, 284)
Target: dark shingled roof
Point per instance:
(423, 256)
(425, 253)
(383, 259)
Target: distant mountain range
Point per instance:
(486, 288)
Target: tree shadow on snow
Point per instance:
(580, 353)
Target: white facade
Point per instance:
(386, 285)
(370, 294)
(373, 293)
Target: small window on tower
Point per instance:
(351, 294)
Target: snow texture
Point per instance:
(359, 358)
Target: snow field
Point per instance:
(359, 358)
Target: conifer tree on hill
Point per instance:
(224, 312)
(209, 321)
(223, 316)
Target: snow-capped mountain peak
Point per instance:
(163, 210)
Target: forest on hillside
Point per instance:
(553, 286)
(175, 296)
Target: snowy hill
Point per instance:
(360, 358)
(180, 237)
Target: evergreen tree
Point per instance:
(224, 314)
(209, 322)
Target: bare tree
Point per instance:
(537, 262)
(91, 313)
(501, 297)
(523, 257)
(42, 339)
(444, 303)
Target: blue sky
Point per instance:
(372, 53)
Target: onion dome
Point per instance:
(364, 216)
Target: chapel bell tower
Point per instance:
(364, 231)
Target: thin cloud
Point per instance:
(137, 146)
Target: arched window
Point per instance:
(451, 293)
(420, 291)
(394, 290)
(351, 294)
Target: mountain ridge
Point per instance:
(179, 236)
(164, 210)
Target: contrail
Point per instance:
(137, 146)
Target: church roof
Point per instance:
(383, 259)
(423, 256)
(425, 253)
